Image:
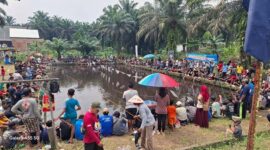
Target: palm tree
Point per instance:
(10, 20)
(116, 25)
(166, 22)
(222, 18)
(42, 22)
(129, 6)
(2, 13)
(86, 45)
(213, 41)
(59, 45)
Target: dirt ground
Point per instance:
(181, 138)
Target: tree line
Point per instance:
(162, 25)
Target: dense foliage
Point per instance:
(198, 25)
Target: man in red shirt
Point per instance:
(91, 125)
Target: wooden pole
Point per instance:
(53, 141)
(252, 121)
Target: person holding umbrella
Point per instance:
(147, 124)
(163, 100)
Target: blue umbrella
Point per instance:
(149, 56)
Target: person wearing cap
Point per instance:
(236, 129)
(106, 122)
(244, 98)
(181, 113)
(91, 126)
(147, 124)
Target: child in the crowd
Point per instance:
(106, 122)
(136, 126)
(10, 137)
(236, 129)
(230, 108)
(181, 113)
(215, 108)
(3, 73)
(78, 128)
(171, 109)
(44, 136)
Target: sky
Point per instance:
(77, 10)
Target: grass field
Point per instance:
(188, 136)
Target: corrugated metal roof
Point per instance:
(23, 33)
(4, 34)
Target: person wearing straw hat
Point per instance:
(147, 124)
(236, 129)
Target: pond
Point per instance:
(106, 84)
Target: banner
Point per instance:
(203, 57)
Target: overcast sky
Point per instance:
(81, 10)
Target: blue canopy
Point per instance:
(149, 56)
(257, 41)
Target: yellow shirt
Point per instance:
(239, 69)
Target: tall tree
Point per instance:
(42, 22)
(2, 13)
(59, 45)
(86, 45)
(10, 20)
(164, 21)
(116, 25)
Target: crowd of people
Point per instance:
(231, 72)
(20, 107)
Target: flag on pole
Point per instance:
(257, 40)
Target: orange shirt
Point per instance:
(171, 111)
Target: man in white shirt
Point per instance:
(131, 109)
(181, 113)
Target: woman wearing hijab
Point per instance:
(201, 117)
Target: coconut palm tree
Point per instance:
(167, 21)
(10, 20)
(2, 12)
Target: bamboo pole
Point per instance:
(26, 81)
(252, 121)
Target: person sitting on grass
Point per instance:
(119, 124)
(236, 129)
(106, 122)
(171, 115)
(229, 111)
(10, 137)
(215, 107)
(181, 112)
(65, 131)
(78, 128)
